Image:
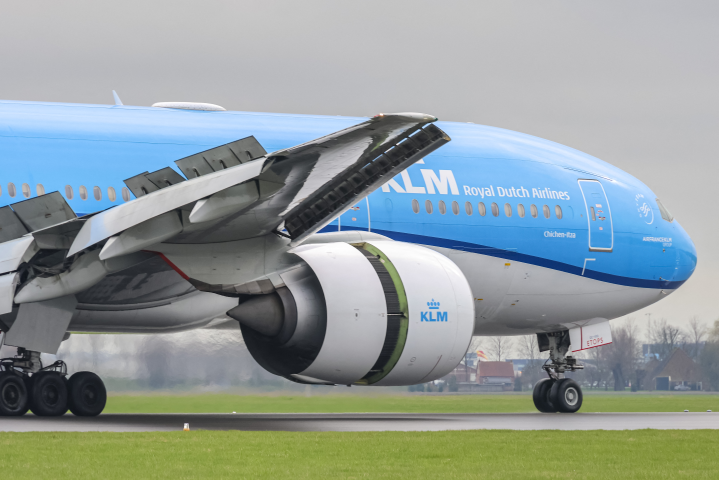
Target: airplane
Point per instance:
(347, 250)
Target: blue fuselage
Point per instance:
(611, 228)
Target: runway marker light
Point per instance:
(709, 411)
(686, 410)
(187, 427)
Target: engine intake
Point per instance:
(376, 313)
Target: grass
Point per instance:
(226, 403)
(648, 454)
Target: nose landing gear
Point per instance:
(26, 385)
(557, 393)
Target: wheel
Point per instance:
(48, 394)
(87, 394)
(540, 395)
(13, 395)
(566, 395)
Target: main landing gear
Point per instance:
(26, 385)
(557, 393)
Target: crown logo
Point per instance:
(433, 305)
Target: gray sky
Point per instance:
(633, 83)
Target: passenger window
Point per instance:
(83, 192)
(558, 211)
(415, 206)
(533, 211)
(594, 217)
(428, 206)
(455, 208)
(442, 207)
(520, 210)
(545, 209)
(507, 209)
(68, 192)
(111, 194)
(125, 194)
(97, 193)
(0, 191)
(495, 209)
(481, 209)
(25, 190)
(468, 208)
(40, 189)
(11, 189)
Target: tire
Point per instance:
(13, 395)
(540, 395)
(87, 394)
(566, 395)
(48, 394)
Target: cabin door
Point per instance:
(599, 216)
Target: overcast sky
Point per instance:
(633, 83)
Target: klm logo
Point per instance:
(444, 183)
(433, 315)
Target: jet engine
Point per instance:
(377, 313)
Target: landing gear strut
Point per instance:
(557, 393)
(26, 385)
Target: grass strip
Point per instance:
(225, 403)
(649, 454)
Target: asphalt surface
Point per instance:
(361, 422)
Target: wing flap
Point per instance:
(304, 187)
(43, 211)
(115, 220)
(12, 227)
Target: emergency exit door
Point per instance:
(599, 216)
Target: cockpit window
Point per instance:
(665, 213)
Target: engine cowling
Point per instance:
(377, 313)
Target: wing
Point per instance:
(302, 188)
(234, 191)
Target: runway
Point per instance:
(361, 422)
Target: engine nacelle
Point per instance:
(377, 313)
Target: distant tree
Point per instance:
(156, 353)
(597, 372)
(709, 359)
(452, 384)
(696, 333)
(473, 347)
(97, 342)
(665, 337)
(623, 354)
(528, 349)
(498, 348)
(517, 384)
